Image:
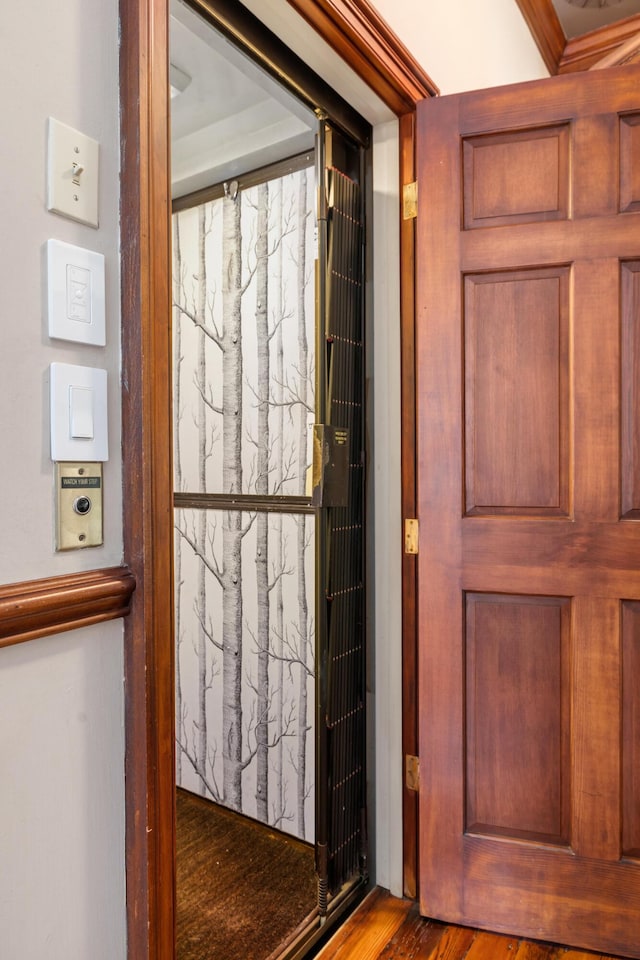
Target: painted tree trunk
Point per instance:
(232, 483)
(279, 807)
(303, 612)
(202, 532)
(262, 489)
(177, 362)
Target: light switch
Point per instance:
(81, 409)
(78, 413)
(72, 173)
(75, 293)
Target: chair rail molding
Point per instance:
(39, 608)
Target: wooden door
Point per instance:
(528, 361)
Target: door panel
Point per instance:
(630, 383)
(630, 730)
(529, 581)
(516, 452)
(516, 177)
(517, 676)
(629, 171)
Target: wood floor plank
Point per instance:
(572, 954)
(453, 944)
(386, 928)
(416, 938)
(359, 916)
(370, 929)
(492, 946)
(529, 950)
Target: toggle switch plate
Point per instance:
(72, 173)
(78, 505)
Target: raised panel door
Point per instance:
(528, 245)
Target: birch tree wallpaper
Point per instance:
(243, 329)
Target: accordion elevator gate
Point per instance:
(341, 847)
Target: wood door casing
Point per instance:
(528, 334)
(145, 231)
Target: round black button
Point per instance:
(82, 505)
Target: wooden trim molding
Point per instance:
(583, 52)
(579, 53)
(626, 53)
(38, 608)
(546, 29)
(148, 487)
(355, 30)
(407, 134)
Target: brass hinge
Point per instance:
(410, 201)
(412, 772)
(411, 531)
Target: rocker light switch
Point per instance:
(78, 413)
(81, 410)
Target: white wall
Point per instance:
(385, 555)
(61, 699)
(61, 806)
(466, 44)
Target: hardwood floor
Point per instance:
(386, 928)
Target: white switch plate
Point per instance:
(78, 406)
(72, 173)
(75, 293)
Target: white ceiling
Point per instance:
(231, 117)
(577, 20)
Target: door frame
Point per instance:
(373, 52)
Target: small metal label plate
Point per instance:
(79, 505)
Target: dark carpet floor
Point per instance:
(243, 888)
